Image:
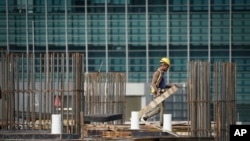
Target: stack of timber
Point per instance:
(121, 131)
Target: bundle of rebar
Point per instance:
(34, 86)
(105, 93)
(198, 98)
(224, 99)
(224, 91)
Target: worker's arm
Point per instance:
(153, 83)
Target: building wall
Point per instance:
(131, 36)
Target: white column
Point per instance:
(167, 122)
(56, 124)
(134, 120)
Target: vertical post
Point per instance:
(46, 34)
(167, 34)
(49, 89)
(66, 31)
(46, 65)
(83, 88)
(78, 92)
(67, 64)
(7, 25)
(86, 34)
(52, 82)
(230, 30)
(28, 93)
(33, 38)
(33, 93)
(188, 30)
(29, 97)
(11, 91)
(106, 35)
(62, 86)
(73, 91)
(209, 30)
(23, 93)
(147, 41)
(126, 37)
(41, 93)
(4, 88)
(17, 88)
(33, 76)
(27, 27)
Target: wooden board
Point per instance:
(157, 101)
(121, 131)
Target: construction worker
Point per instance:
(158, 86)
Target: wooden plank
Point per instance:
(121, 131)
(160, 128)
(117, 134)
(167, 138)
(157, 101)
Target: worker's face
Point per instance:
(164, 67)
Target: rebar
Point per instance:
(105, 94)
(224, 99)
(34, 86)
(199, 101)
(224, 81)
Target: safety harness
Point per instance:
(157, 82)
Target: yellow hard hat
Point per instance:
(165, 60)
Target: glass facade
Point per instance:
(132, 35)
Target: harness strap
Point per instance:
(157, 82)
(158, 79)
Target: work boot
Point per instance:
(144, 119)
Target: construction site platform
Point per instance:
(150, 132)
